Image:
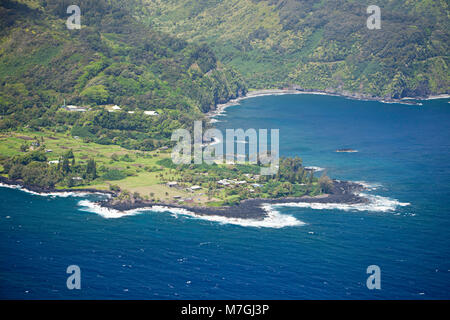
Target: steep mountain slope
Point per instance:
(112, 59)
(319, 44)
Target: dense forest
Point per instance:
(112, 60)
(319, 45)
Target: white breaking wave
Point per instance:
(274, 218)
(315, 168)
(369, 185)
(375, 204)
(62, 194)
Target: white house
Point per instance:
(74, 108)
(172, 183)
(151, 113)
(193, 188)
(223, 182)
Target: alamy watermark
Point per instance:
(235, 139)
(374, 280)
(74, 21)
(374, 20)
(74, 280)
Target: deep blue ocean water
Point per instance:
(404, 151)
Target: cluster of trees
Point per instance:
(33, 169)
(292, 179)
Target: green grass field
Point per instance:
(144, 175)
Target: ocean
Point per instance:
(303, 252)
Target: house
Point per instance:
(172, 184)
(193, 188)
(223, 182)
(114, 108)
(72, 108)
(77, 178)
(53, 162)
(130, 112)
(151, 113)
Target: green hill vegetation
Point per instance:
(138, 69)
(111, 60)
(318, 45)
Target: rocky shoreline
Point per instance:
(343, 192)
(38, 189)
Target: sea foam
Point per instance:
(374, 204)
(62, 194)
(274, 218)
(314, 168)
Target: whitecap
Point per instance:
(317, 169)
(62, 194)
(374, 204)
(274, 218)
(369, 185)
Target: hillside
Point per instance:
(111, 60)
(318, 45)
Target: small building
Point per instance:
(72, 108)
(116, 107)
(53, 162)
(77, 178)
(172, 184)
(193, 188)
(151, 113)
(223, 182)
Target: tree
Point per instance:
(24, 147)
(91, 169)
(69, 154)
(65, 166)
(325, 183)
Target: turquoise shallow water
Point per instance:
(404, 152)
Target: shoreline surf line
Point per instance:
(273, 219)
(220, 108)
(261, 213)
